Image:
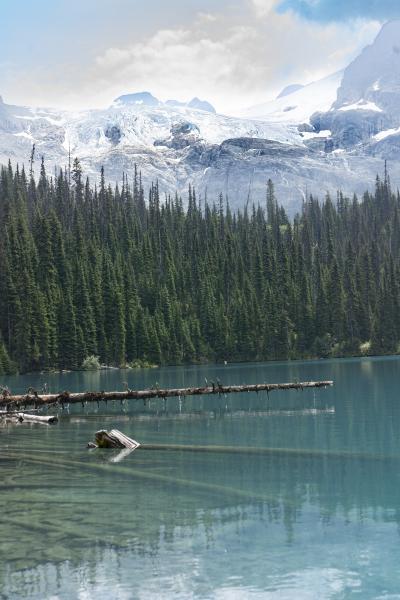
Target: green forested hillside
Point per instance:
(125, 274)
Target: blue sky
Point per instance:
(77, 53)
(326, 11)
(50, 30)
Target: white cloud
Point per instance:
(229, 64)
(263, 7)
(183, 63)
(231, 59)
(205, 17)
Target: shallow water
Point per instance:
(313, 514)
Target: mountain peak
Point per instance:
(290, 89)
(137, 99)
(147, 99)
(175, 103)
(389, 27)
(201, 105)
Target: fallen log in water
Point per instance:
(37, 418)
(9, 417)
(12, 402)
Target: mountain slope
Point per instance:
(298, 106)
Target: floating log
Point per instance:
(24, 417)
(113, 439)
(10, 402)
(9, 417)
(37, 418)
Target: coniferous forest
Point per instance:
(125, 274)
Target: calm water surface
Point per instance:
(315, 514)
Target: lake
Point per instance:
(311, 512)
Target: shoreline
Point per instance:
(203, 364)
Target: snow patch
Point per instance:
(60, 121)
(361, 105)
(387, 133)
(24, 134)
(309, 135)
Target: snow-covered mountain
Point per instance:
(174, 144)
(334, 133)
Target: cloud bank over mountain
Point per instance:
(235, 54)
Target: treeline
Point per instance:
(124, 275)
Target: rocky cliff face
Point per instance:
(368, 98)
(374, 76)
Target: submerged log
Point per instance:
(10, 402)
(113, 439)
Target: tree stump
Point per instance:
(113, 439)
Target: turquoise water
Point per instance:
(314, 514)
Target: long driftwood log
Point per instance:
(12, 402)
